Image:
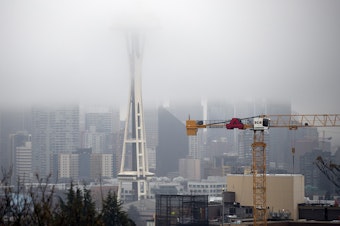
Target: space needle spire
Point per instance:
(134, 135)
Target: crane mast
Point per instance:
(259, 177)
(259, 124)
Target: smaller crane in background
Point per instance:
(259, 124)
(330, 170)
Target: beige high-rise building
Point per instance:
(101, 165)
(68, 165)
(284, 191)
(190, 168)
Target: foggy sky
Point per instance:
(232, 50)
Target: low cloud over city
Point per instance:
(230, 50)
(169, 112)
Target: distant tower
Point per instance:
(134, 135)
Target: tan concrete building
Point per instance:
(190, 168)
(68, 165)
(101, 165)
(284, 191)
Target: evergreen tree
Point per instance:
(79, 208)
(112, 212)
(89, 209)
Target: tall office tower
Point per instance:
(172, 144)
(54, 130)
(134, 134)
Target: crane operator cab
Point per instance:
(261, 123)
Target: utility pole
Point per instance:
(223, 207)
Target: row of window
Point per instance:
(204, 191)
(206, 186)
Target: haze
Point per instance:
(71, 50)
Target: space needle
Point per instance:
(134, 135)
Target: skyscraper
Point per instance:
(173, 143)
(54, 130)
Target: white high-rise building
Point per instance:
(21, 156)
(23, 162)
